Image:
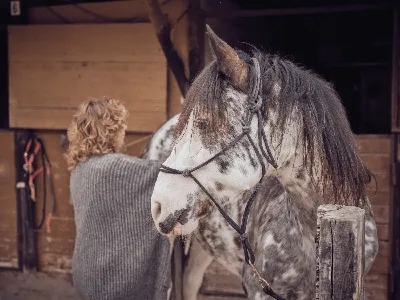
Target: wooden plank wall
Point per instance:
(376, 152)
(8, 215)
(127, 11)
(67, 64)
(219, 284)
(89, 13)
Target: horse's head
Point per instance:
(245, 117)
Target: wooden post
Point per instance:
(340, 253)
(178, 270)
(196, 39)
(163, 29)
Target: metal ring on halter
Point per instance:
(186, 173)
(246, 128)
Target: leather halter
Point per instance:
(254, 108)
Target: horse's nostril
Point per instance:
(180, 216)
(166, 227)
(156, 210)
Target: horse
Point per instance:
(200, 247)
(304, 155)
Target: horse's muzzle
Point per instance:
(172, 224)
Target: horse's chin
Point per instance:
(183, 230)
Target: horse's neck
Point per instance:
(282, 233)
(294, 170)
(295, 196)
(274, 216)
(278, 204)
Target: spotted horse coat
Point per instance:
(289, 237)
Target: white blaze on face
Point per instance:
(171, 190)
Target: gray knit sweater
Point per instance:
(118, 253)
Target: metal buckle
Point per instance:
(246, 128)
(186, 173)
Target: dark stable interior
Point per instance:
(352, 50)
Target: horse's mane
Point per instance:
(326, 132)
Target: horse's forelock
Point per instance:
(204, 100)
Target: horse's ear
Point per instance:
(229, 62)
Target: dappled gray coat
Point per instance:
(118, 252)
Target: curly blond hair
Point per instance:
(98, 127)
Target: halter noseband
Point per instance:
(254, 108)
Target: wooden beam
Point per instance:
(340, 253)
(394, 277)
(97, 12)
(293, 11)
(196, 39)
(163, 28)
(10, 230)
(395, 72)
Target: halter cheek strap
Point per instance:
(254, 108)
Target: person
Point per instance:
(118, 252)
